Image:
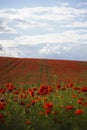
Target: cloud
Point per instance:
(73, 52)
(70, 37)
(43, 31)
(77, 25)
(7, 53)
(11, 52)
(41, 16)
(74, 37)
(55, 51)
(4, 28)
(1, 48)
(22, 23)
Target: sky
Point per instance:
(55, 29)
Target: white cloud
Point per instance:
(4, 28)
(77, 24)
(51, 13)
(33, 17)
(8, 43)
(50, 49)
(65, 37)
(70, 37)
(45, 19)
(10, 53)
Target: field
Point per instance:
(39, 94)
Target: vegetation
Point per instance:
(50, 97)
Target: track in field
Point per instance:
(41, 71)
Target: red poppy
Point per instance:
(34, 89)
(48, 111)
(80, 100)
(31, 92)
(69, 107)
(28, 122)
(32, 102)
(16, 92)
(43, 90)
(58, 86)
(76, 88)
(48, 105)
(22, 103)
(84, 89)
(70, 85)
(85, 104)
(2, 105)
(78, 112)
(10, 87)
(2, 90)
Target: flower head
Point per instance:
(78, 112)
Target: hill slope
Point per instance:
(16, 70)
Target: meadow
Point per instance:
(43, 94)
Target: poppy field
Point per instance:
(52, 99)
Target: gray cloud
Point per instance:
(23, 23)
(1, 48)
(53, 51)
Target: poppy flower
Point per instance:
(78, 112)
(22, 103)
(2, 90)
(48, 105)
(31, 92)
(84, 89)
(43, 90)
(85, 104)
(80, 100)
(33, 102)
(48, 111)
(2, 105)
(58, 86)
(69, 107)
(10, 87)
(28, 122)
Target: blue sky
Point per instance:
(44, 29)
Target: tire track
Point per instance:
(11, 66)
(44, 73)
